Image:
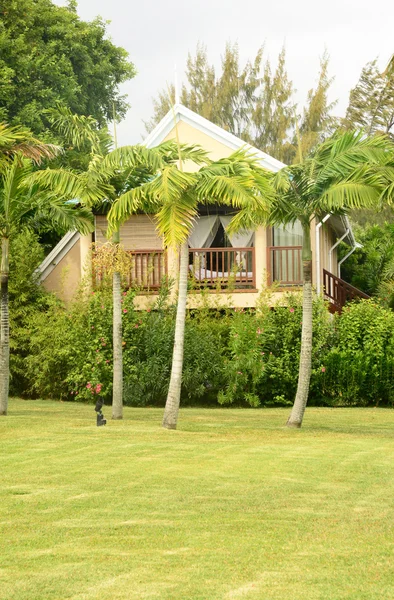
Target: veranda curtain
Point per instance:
(204, 232)
(241, 239)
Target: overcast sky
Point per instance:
(159, 34)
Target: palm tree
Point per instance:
(109, 176)
(21, 202)
(347, 171)
(174, 195)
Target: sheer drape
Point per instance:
(204, 232)
(241, 239)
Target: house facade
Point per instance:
(235, 268)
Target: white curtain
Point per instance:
(288, 235)
(204, 232)
(241, 239)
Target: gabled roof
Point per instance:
(182, 113)
(56, 255)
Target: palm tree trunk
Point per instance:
(117, 382)
(305, 367)
(174, 391)
(4, 329)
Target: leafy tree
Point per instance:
(346, 171)
(23, 202)
(371, 101)
(237, 181)
(237, 98)
(273, 114)
(316, 123)
(48, 55)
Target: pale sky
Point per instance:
(159, 34)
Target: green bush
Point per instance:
(264, 349)
(239, 357)
(359, 367)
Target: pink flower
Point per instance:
(260, 331)
(262, 353)
(102, 306)
(125, 310)
(92, 326)
(136, 326)
(148, 310)
(124, 293)
(107, 361)
(76, 393)
(291, 309)
(89, 385)
(323, 369)
(98, 388)
(103, 344)
(98, 350)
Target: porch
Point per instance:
(234, 269)
(219, 268)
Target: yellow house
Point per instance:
(236, 268)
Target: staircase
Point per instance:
(339, 291)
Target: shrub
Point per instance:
(359, 368)
(262, 367)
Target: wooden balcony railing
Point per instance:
(284, 265)
(223, 267)
(147, 269)
(339, 291)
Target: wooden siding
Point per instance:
(138, 233)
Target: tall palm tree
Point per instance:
(21, 202)
(109, 176)
(347, 171)
(174, 195)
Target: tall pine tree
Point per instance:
(371, 101)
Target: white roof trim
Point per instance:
(56, 255)
(217, 133)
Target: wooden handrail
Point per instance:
(339, 291)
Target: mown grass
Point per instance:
(232, 505)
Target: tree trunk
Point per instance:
(4, 329)
(174, 391)
(305, 367)
(117, 384)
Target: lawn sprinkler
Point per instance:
(100, 417)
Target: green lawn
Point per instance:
(232, 505)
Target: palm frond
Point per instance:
(169, 151)
(350, 194)
(137, 199)
(130, 157)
